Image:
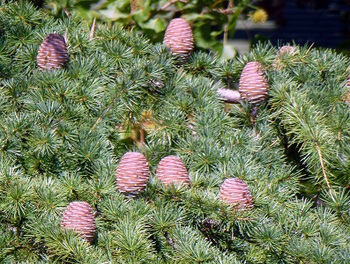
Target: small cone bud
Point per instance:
(52, 52)
(171, 169)
(179, 38)
(235, 191)
(132, 173)
(252, 84)
(228, 95)
(287, 49)
(79, 217)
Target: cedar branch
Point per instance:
(319, 152)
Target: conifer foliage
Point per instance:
(65, 135)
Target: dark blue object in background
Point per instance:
(324, 23)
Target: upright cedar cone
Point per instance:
(253, 84)
(171, 169)
(132, 173)
(235, 192)
(79, 217)
(53, 52)
(179, 38)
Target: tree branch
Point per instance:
(319, 152)
(93, 28)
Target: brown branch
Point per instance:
(227, 10)
(319, 152)
(66, 11)
(244, 219)
(66, 35)
(170, 240)
(171, 2)
(142, 136)
(93, 28)
(99, 119)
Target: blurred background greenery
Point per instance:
(226, 27)
(213, 21)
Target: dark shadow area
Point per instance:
(324, 23)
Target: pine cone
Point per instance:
(171, 169)
(253, 84)
(79, 217)
(179, 38)
(132, 173)
(235, 192)
(53, 52)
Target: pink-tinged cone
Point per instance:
(179, 38)
(287, 49)
(132, 173)
(171, 169)
(228, 95)
(53, 53)
(79, 217)
(234, 191)
(253, 84)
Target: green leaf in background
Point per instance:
(142, 15)
(194, 17)
(203, 38)
(156, 24)
(208, 19)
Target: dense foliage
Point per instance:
(62, 133)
